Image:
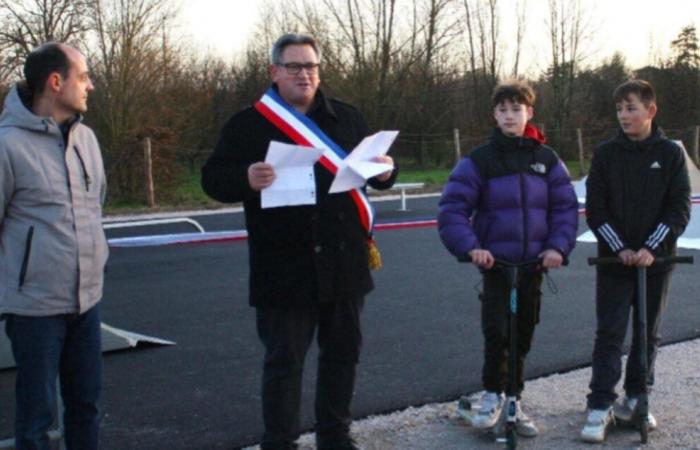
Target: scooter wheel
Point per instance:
(511, 439)
(464, 404)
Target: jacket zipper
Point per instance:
(86, 175)
(523, 199)
(25, 260)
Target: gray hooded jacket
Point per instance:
(52, 246)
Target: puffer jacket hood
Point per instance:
(528, 141)
(16, 113)
(534, 133)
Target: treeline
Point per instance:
(424, 67)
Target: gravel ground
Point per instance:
(557, 403)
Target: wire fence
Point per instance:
(128, 172)
(435, 150)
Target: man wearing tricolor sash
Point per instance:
(308, 264)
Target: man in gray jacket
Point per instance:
(52, 247)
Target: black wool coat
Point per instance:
(299, 255)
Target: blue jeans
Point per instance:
(68, 345)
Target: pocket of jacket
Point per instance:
(25, 259)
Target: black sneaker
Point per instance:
(289, 446)
(346, 443)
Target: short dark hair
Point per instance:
(44, 60)
(642, 88)
(514, 90)
(292, 39)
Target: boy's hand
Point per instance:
(482, 258)
(628, 257)
(551, 259)
(644, 257)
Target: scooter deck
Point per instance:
(468, 408)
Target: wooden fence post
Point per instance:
(458, 151)
(148, 169)
(581, 155)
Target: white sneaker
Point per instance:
(489, 411)
(626, 411)
(524, 426)
(597, 424)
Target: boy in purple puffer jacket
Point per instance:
(510, 199)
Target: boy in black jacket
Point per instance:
(637, 204)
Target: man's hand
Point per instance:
(628, 257)
(260, 175)
(482, 258)
(644, 257)
(551, 259)
(386, 160)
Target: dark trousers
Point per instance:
(615, 297)
(287, 334)
(68, 345)
(494, 324)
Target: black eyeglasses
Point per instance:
(295, 68)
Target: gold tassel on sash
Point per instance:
(375, 258)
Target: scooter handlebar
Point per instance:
(504, 263)
(607, 260)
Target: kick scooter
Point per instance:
(642, 415)
(513, 272)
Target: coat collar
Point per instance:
(656, 135)
(531, 139)
(320, 106)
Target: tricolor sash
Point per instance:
(304, 131)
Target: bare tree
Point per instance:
(482, 27)
(521, 13)
(366, 46)
(471, 50)
(131, 64)
(566, 32)
(129, 58)
(441, 29)
(371, 30)
(492, 56)
(482, 36)
(25, 24)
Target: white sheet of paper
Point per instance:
(358, 166)
(369, 169)
(295, 183)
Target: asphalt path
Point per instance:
(422, 335)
